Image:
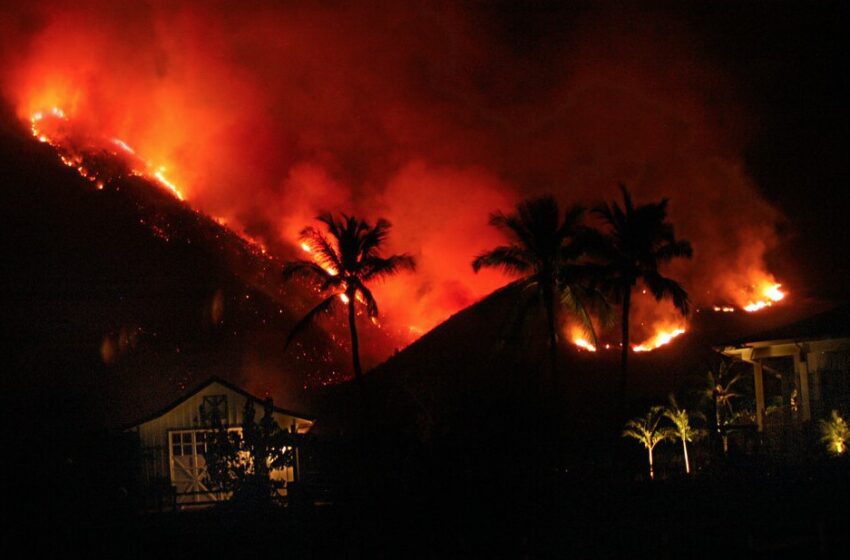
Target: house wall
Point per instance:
(153, 434)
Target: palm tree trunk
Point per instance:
(549, 304)
(721, 429)
(687, 463)
(651, 470)
(355, 355)
(624, 354)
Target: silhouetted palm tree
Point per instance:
(544, 249)
(719, 390)
(647, 431)
(638, 241)
(345, 261)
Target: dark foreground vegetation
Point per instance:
(455, 502)
(749, 512)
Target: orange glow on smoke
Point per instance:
(252, 118)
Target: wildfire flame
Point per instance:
(72, 158)
(660, 338)
(578, 337)
(328, 268)
(663, 336)
(47, 127)
(770, 293)
(584, 345)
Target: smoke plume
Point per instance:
(431, 115)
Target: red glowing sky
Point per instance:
(431, 116)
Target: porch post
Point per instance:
(812, 365)
(296, 463)
(759, 387)
(801, 365)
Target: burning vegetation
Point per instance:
(268, 119)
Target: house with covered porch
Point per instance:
(173, 442)
(801, 371)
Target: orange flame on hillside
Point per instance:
(71, 156)
(54, 127)
(769, 293)
(580, 339)
(660, 338)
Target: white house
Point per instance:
(173, 440)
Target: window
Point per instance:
(188, 465)
(215, 405)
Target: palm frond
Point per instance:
(379, 267)
(674, 249)
(661, 287)
(513, 227)
(628, 205)
(573, 218)
(305, 269)
(572, 300)
(369, 299)
(321, 246)
(646, 428)
(510, 258)
(373, 237)
(325, 307)
(334, 226)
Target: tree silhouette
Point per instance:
(544, 249)
(243, 462)
(638, 241)
(719, 390)
(347, 258)
(647, 431)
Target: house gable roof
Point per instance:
(200, 387)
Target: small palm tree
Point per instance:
(347, 258)
(639, 240)
(647, 431)
(544, 249)
(719, 390)
(682, 429)
(835, 434)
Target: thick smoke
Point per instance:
(431, 116)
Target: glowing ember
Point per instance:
(659, 339)
(724, 309)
